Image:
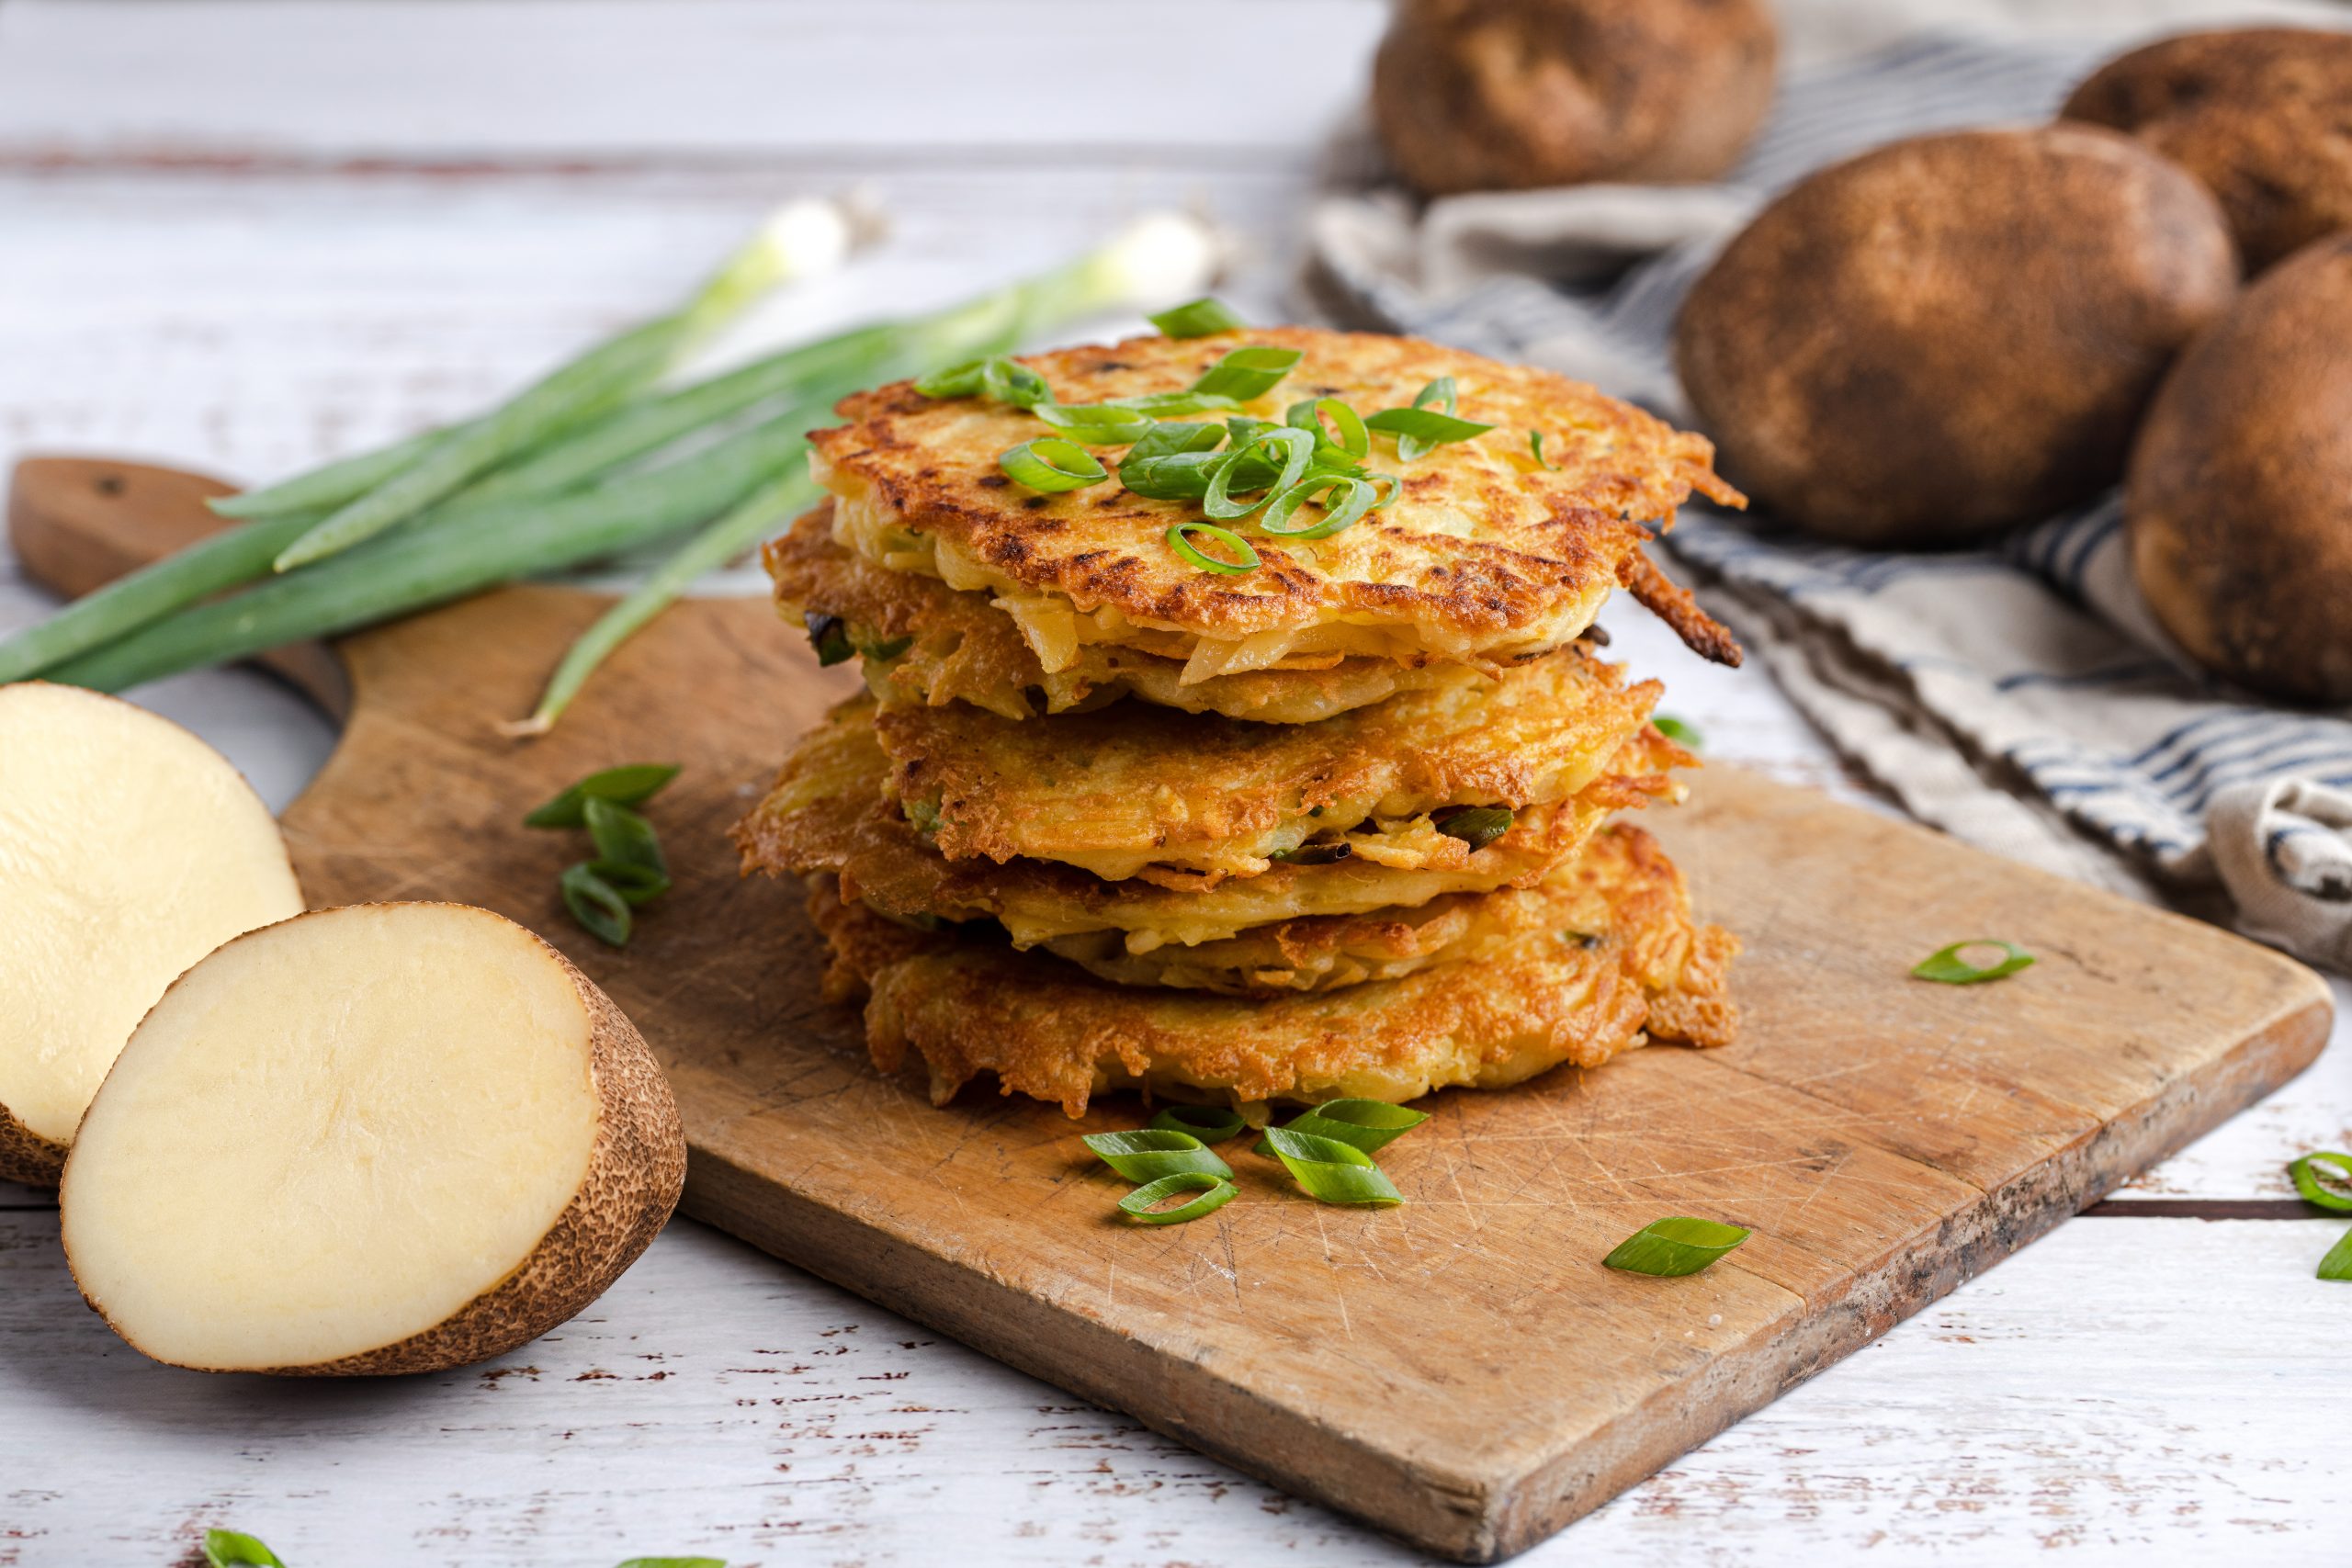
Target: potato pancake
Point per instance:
(827, 813)
(1487, 555)
(924, 643)
(1609, 960)
(1185, 800)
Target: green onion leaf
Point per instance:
(1214, 1191)
(1051, 465)
(1170, 439)
(954, 381)
(1358, 500)
(1674, 729)
(1172, 405)
(1476, 825)
(887, 649)
(1441, 392)
(1331, 1171)
(229, 1549)
(622, 835)
(2337, 1264)
(1099, 424)
(1671, 1247)
(1946, 967)
(1244, 557)
(632, 784)
(1201, 318)
(1010, 381)
(1247, 373)
(636, 883)
(2324, 1192)
(1346, 431)
(1209, 1123)
(1369, 1125)
(596, 904)
(1153, 1153)
(1314, 854)
(1419, 429)
(1181, 476)
(829, 634)
(1219, 502)
(1535, 444)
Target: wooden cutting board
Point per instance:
(1461, 1371)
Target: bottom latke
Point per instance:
(1609, 960)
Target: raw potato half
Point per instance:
(128, 850)
(388, 1139)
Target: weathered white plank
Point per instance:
(716, 1402)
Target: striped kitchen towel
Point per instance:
(2018, 695)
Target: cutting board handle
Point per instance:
(77, 524)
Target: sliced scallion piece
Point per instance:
(1099, 424)
(1369, 1125)
(1209, 1123)
(1142, 1204)
(829, 634)
(1419, 430)
(1330, 1171)
(632, 784)
(1476, 825)
(620, 834)
(1672, 1247)
(1441, 392)
(1243, 559)
(1199, 318)
(1359, 498)
(2337, 1264)
(1297, 447)
(636, 883)
(1346, 432)
(1247, 373)
(1155, 1152)
(1535, 444)
(1674, 729)
(1946, 967)
(596, 904)
(234, 1549)
(1010, 381)
(1052, 466)
(1175, 405)
(2332, 1191)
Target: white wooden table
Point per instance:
(244, 237)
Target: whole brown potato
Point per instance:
(1502, 95)
(2239, 502)
(2263, 116)
(1950, 335)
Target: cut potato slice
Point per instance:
(128, 850)
(389, 1138)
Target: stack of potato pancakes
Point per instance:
(1116, 814)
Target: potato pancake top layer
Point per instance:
(1133, 790)
(1608, 958)
(827, 813)
(1487, 555)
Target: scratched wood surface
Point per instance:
(1460, 1371)
(252, 236)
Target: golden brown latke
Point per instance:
(1184, 799)
(946, 646)
(827, 813)
(1486, 555)
(1611, 961)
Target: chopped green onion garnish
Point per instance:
(1175, 405)
(1314, 854)
(2324, 1192)
(1331, 1171)
(229, 1549)
(620, 834)
(1051, 465)
(1172, 439)
(1214, 1191)
(1101, 424)
(2337, 1264)
(1153, 1153)
(1209, 1123)
(1245, 559)
(596, 904)
(1347, 430)
(636, 883)
(1476, 825)
(1674, 729)
(1946, 967)
(1359, 497)
(1674, 1246)
(1247, 373)
(829, 634)
(1441, 392)
(632, 784)
(1368, 1125)
(1219, 502)
(923, 816)
(1010, 381)
(953, 381)
(1202, 318)
(1535, 444)
(1419, 429)
(888, 648)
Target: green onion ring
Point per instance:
(1172, 438)
(1199, 318)
(1368, 1125)
(1153, 1153)
(1224, 538)
(1359, 500)
(1352, 438)
(1441, 392)
(1168, 405)
(1219, 504)
(1535, 444)
(597, 904)
(1010, 381)
(1101, 424)
(1247, 373)
(1476, 825)
(954, 381)
(2307, 1181)
(1331, 1171)
(1676, 730)
(2337, 1264)
(1670, 1248)
(1214, 1191)
(1178, 476)
(1418, 431)
(1051, 465)
(1946, 967)
(1395, 488)
(1209, 1123)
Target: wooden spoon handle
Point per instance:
(77, 524)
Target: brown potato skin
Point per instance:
(26, 1156)
(2263, 116)
(2239, 502)
(1950, 335)
(1505, 95)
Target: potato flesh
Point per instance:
(330, 1136)
(128, 850)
